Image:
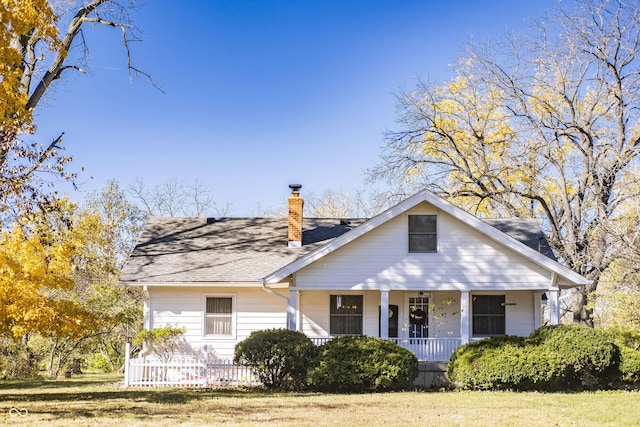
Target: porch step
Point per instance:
(432, 375)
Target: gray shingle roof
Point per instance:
(177, 250)
(525, 231)
(222, 250)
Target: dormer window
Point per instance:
(423, 237)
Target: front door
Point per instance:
(393, 321)
(418, 317)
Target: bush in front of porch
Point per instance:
(360, 363)
(551, 358)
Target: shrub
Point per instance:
(357, 363)
(499, 363)
(98, 362)
(165, 342)
(279, 357)
(581, 356)
(628, 339)
(629, 365)
(552, 358)
(17, 360)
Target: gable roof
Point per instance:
(479, 225)
(187, 250)
(255, 250)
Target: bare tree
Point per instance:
(543, 124)
(341, 204)
(173, 197)
(40, 42)
(330, 204)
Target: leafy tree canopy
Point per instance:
(36, 284)
(539, 124)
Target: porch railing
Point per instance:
(430, 349)
(425, 349)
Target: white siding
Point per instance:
(519, 317)
(466, 260)
(314, 307)
(372, 314)
(254, 309)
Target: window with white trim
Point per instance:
(423, 236)
(218, 316)
(345, 314)
(488, 314)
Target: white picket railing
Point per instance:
(185, 371)
(430, 349)
(425, 349)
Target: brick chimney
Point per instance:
(295, 217)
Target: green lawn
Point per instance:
(91, 400)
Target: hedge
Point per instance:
(551, 358)
(358, 363)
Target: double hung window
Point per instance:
(423, 234)
(219, 316)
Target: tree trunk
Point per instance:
(52, 356)
(582, 313)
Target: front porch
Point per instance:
(431, 324)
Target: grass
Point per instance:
(100, 400)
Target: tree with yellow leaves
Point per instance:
(37, 295)
(58, 293)
(544, 124)
(36, 39)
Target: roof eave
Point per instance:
(240, 283)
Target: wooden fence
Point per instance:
(185, 371)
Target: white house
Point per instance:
(440, 276)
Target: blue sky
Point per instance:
(259, 94)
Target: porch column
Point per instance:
(465, 318)
(146, 309)
(298, 313)
(384, 315)
(537, 315)
(554, 307)
(292, 310)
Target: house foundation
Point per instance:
(432, 375)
